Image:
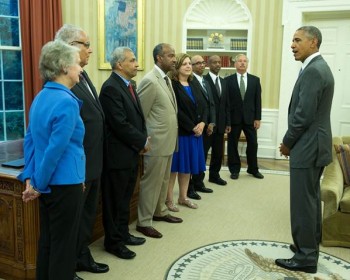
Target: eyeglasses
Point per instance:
(199, 63)
(86, 45)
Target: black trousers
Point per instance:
(197, 179)
(233, 158)
(215, 142)
(87, 221)
(60, 213)
(117, 189)
(216, 155)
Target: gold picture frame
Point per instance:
(127, 15)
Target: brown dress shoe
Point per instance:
(168, 218)
(149, 231)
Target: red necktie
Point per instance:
(132, 91)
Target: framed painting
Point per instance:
(120, 24)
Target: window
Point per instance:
(11, 76)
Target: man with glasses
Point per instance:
(93, 117)
(196, 182)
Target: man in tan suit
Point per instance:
(159, 107)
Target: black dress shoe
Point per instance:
(133, 240)
(193, 194)
(203, 189)
(295, 265)
(76, 277)
(234, 176)
(257, 175)
(293, 248)
(122, 252)
(93, 267)
(218, 181)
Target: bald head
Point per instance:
(214, 63)
(198, 65)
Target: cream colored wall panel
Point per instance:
(266, 47)
(267, 134)
(83, 13)
(163, 23)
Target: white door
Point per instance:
(335, 49)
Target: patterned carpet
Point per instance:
(251, 260)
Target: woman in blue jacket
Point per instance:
(55, 162)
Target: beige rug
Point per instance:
(249, 259)
(244, 209)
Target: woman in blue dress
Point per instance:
(189, 158)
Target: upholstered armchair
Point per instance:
(335, 195)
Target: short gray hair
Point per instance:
(312, 32)
(118, 55)
(69, 33)
(239, 55)
(56, 56)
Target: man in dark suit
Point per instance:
(222, 109)
(196, 182)
(245, 102)
(308, 143)
(126, 140)
(93, 117)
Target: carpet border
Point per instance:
(248, 240)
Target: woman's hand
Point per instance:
(30, 193)
(198, 129)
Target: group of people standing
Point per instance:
(77, 142)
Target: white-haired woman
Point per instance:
(55, 162)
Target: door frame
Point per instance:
(294, 12)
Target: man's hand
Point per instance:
(228, 129)
(147, 147)
(284, 150)
(210, 129)
(256, 124)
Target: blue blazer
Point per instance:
(53, 145)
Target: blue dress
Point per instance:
(190, 155)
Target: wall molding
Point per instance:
(267, 135)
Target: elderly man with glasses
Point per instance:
(196, 182)
(93, 118)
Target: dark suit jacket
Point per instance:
(125, 124)
(208, 96)
(248, 110)
(93, 117)
(222, 105)
(309, 135)
(189, 113)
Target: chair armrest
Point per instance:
(332, 187)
